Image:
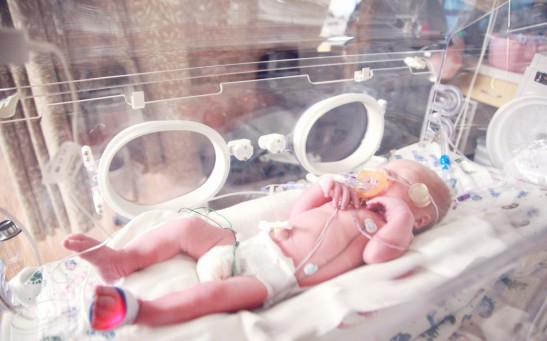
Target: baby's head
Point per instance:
(434, 202)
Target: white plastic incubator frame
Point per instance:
(369, 145)
(198, 196)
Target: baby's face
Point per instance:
(405, 173)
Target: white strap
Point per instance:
(131, 306)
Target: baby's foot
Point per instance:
(112, 307)
(111, 264)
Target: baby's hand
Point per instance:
(390, 208)
(341, 195)
(393, 238)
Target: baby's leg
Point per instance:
(233, 294)
(111, 264)
(190, 235)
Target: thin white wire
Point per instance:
(238, 193)
(318, 242)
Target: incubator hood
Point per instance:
(131, 106)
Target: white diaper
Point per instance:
(258, 256)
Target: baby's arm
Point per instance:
(321, 192)
(393, 238)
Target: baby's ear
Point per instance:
(421, 220)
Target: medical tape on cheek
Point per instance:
(421, 198)
(419, 195)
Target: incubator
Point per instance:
(117, 115)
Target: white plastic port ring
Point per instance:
(369, 145)
(516, 124)
(196, 197)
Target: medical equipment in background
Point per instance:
(444, 107)
(13, 248)
(445, 103)
(516, 138)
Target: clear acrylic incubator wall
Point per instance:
(111, 109)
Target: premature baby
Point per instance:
(332, 230)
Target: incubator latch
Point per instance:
(415, 62)
(136, 100)
(362, 75)
(274, 143)
(241, 149)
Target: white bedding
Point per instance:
(488, 220)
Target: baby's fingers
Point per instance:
(346, 197)
(327, 185)
(336, 195)
(355, 199)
